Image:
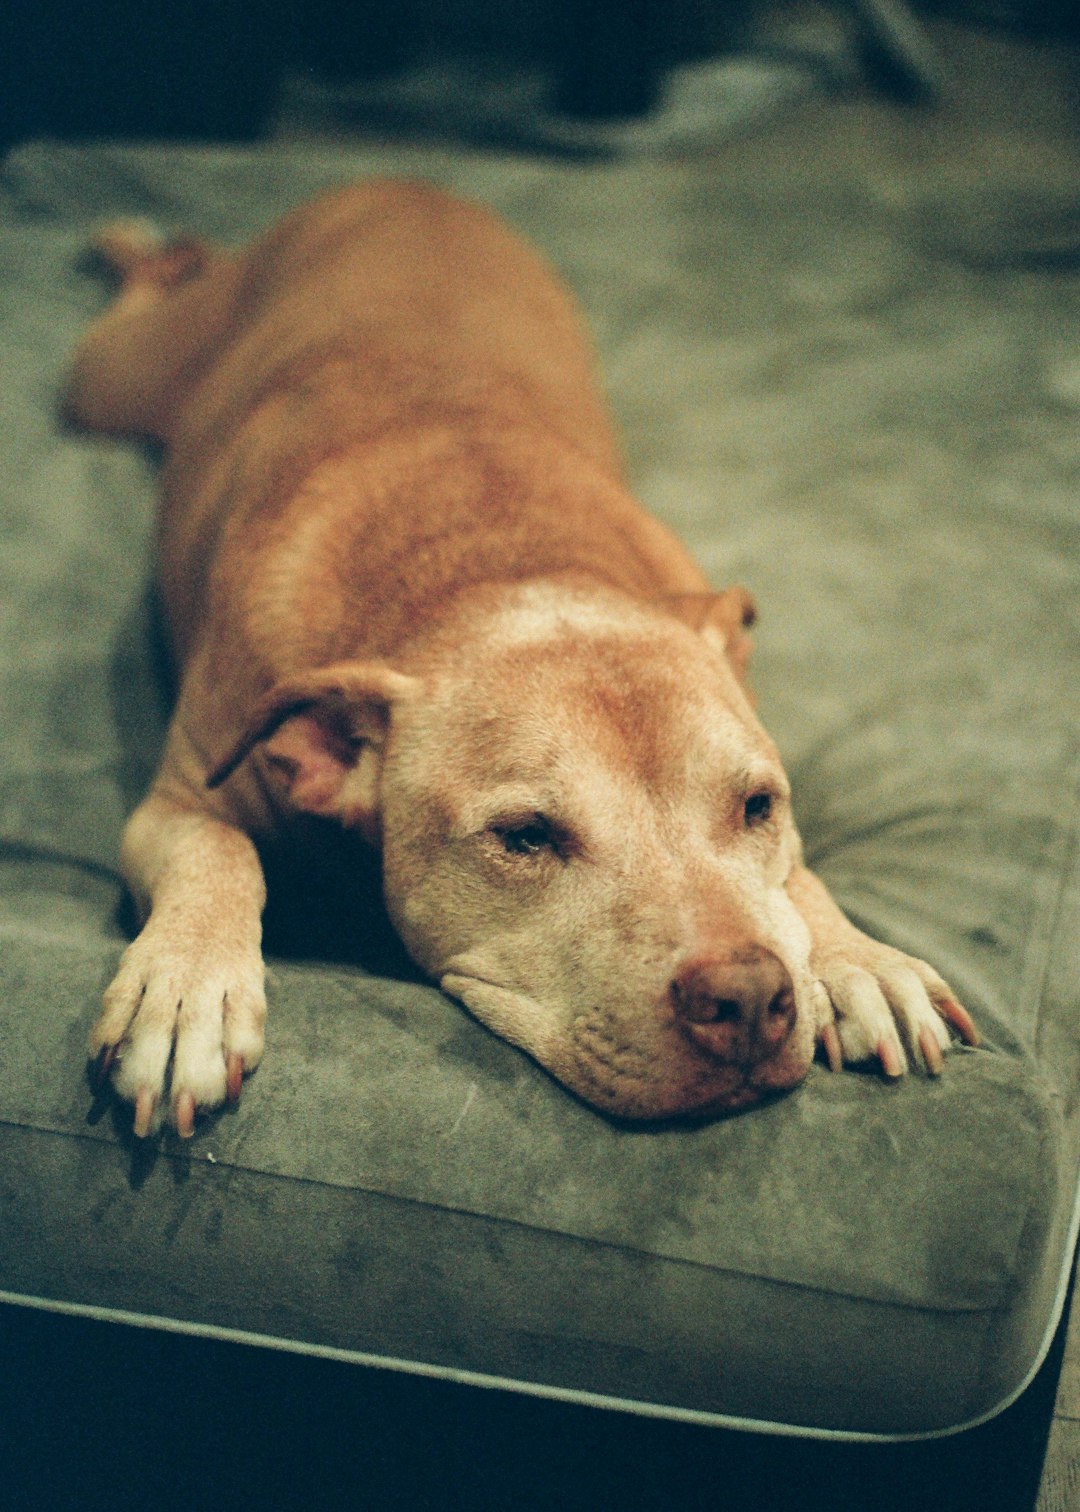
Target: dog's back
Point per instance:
(389, 391)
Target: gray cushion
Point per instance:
(802, 400)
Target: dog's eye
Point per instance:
(526, 839)
(757, 809)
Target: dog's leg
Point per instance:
(184, 1017)
(138, 359)
(874, 1002)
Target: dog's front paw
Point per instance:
(181, 1025)
(875, 1003)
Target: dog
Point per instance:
(413, 606)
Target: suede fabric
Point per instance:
(898, 488)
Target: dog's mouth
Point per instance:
(656, 1076)
(671, 1082)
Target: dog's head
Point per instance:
(586, 835)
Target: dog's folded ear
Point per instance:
(726, 617)
(324, 732)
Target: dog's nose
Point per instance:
(739, 1008)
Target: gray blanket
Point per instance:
(892, 469)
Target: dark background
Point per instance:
(96, 1417)
(211, 69)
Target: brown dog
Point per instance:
(409, 595)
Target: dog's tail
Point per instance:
(122, 244)
(136, 250)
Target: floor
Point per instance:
(96, 1416)
(1059, 1488)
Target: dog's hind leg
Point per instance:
(137, 361)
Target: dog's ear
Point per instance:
(324, 732)
(725, 617)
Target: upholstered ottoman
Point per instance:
(399, 1187)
